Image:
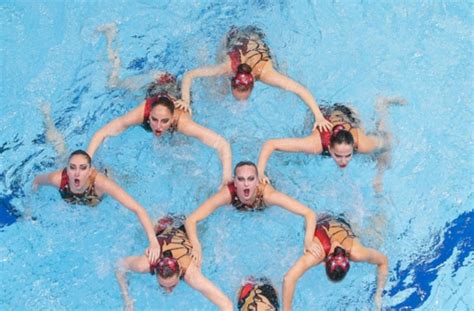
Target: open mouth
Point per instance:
(342, 165)
(246, 192)
(158, 132)
(77, 182)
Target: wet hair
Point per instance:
(243, 163)
(163, 101)
(83, 153)
(164, 83)
(337, 265)
(243, 79)
(341, 136)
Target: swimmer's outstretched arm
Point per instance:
(115, 127)
(273, 197)
(294, 274)
(106, 185)
(190, 128)
(52, 179)
(138, 264)
(222, 197)
(188, 77)
(272, 77)
(199, 282)
(360, 253)
(309, 144)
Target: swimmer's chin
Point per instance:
(158, 133)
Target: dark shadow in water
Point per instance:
(420, 275)
(8, 213)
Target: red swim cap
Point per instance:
(242, 80)
(336, 129)
(337, 265)
(167, 262)
(165, 78)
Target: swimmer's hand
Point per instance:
(322, 124)
(129, 306)
(314, 248)
(264, 179)
(378, 300)
(35, 184)
(184, 105)
(153, 253)
(196, 255)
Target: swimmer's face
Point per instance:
(160, 119)
(78, 171)
(241, 95)
(341, 153)
(168, 284)
(246, 182)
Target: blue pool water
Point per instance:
(54, 256)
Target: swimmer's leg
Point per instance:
(110, 32)
(134, 83)
(385, 138)
(52, 134)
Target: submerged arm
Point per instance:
(362, 254)
(138, 264)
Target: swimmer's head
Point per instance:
(161, 115)
(242, 82)
(165, 78)
(341, 147)
(258, 295)
(246, 180)
(337, 264)
(78, 170)
(167, 271)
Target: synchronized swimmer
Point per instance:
(174, 250)
(245, 56)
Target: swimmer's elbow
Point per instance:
(269, 146)
(384, 261)
(288, 279)
(226, 305)
(190, 222)
(121, 267)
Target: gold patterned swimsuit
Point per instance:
(341, 117)
(246, 46)
(259, 295)
(174, 243)
(331, 229)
